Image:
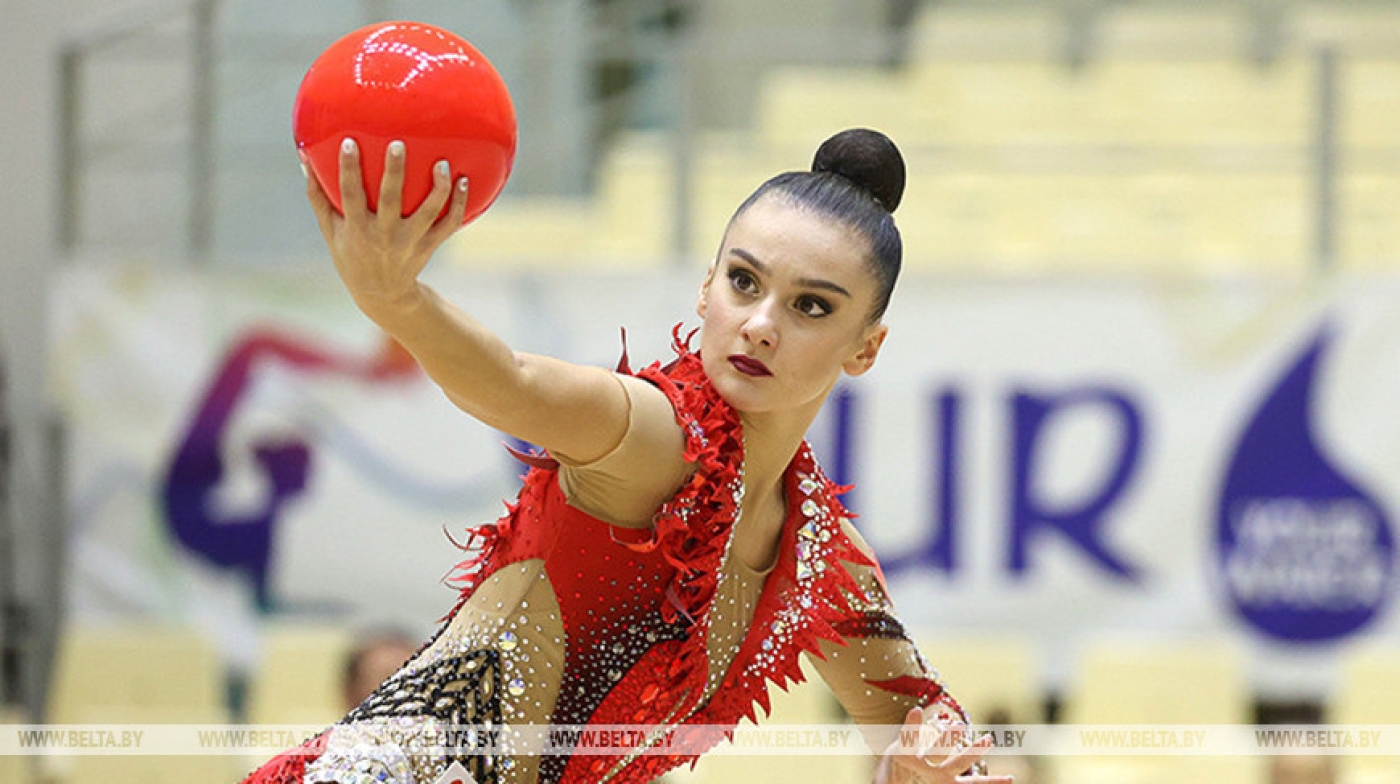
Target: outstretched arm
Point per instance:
(576, 411)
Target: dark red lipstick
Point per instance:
(749, 366)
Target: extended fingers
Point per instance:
(431, 207)
(352, 186)
(391, 185)
(456, 212)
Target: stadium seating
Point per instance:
(299, 680)
(15, 768)
(1143, 682)
(627, 222)
(1182, 29)
(798, 107)
(138, 675)
(1370, 28)
(1176, 147)
(1369, 214)
(160, 670)
(982, 30)
(1368, 695)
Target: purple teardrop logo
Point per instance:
(1306, 554)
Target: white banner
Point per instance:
(1061, 459)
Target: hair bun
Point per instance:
(867, 158)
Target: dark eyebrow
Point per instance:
(811, 283)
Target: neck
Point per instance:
(771, 440)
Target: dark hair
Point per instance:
(857, 177)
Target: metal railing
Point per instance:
(107, 34)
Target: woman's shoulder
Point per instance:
(647, 466)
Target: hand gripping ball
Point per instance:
(415, 83)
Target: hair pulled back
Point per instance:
(857, 178)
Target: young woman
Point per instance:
(677, 547)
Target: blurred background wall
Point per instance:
(1140, 386)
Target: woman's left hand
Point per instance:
(925, 762)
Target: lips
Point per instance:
(749, 366)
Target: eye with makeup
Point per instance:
(742, 281)
(814, 307)
(745, 282)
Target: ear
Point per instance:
(702, 302)
(870, 345)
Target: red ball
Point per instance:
(418, 84)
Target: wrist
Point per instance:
(388, 310)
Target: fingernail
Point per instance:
(304, 172)
(347, 146)
(442, 169)
(462, 184)
(396, 148)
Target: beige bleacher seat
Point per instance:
(1119, 102)
(1129, 681)
(1368, 694)
(15, 768)
(1369, 222)
(1063, 219)
(626, 222)
(1005, 103)
(300, 677)
(1003, 222)
(1369, 103)
(947, 220)
(163, 762)
(980, 30)
(798, 107)
(1175, 29)
(527, 231)
(128, 675)
(1202, 102)
(1146, 682)
(1113, 102)
(1067, 220)
(1248, 223)
(636, 201)
(720, 187)
(158, 670)
(807, 703)
(727, 171)
(1362, 28)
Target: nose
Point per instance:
(761, 326)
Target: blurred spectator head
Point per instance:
(373, 658)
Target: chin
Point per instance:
(734, 394)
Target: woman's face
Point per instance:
(786, 309)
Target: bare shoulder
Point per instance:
(652, 413)
(643, 470)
